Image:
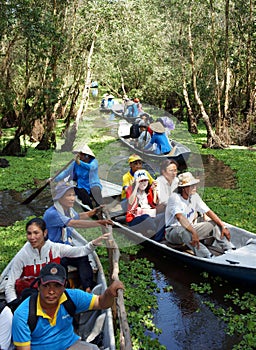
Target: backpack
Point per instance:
(32, 316)
(2, 304)
(135, 131)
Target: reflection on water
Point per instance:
(186, 322)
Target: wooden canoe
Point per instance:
(110, 189)
(92, 324)
(237, 265)
(179, 152)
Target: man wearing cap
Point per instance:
(135, 163)
(181, 210)
(54, 329)
(60, 220)
(159, 139)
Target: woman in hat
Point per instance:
(135, 163)
(86, 175)
(84, 171)
(181, 210)
(159, 138)
(141, 211)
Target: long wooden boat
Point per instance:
(110, 189)
(96, 324)
(179, 152)
(237, 265)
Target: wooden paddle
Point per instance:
(39, 190)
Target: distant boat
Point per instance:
(118, 110)
(179, 152)
(238, 265)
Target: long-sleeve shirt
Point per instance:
(56, 222)
(85, 174)
(162, 143)
(29, 261)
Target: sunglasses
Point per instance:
(137, 162)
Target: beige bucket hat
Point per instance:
(187, 179)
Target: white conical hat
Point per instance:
(84, 149)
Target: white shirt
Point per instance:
(6, 329)
(188, 207)
(165, 189)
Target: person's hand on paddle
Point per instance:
(98, 241)
(105, 222)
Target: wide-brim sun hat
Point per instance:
(60, 189)
(111, 96)
(141, 175)
(187, 179)
(157, 127)
(133, 158)
(84, 149)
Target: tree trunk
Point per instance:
(86, 90)
(213, 141)
(218, 90)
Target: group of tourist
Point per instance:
(41, 266)
(170, 208)
(166, 208)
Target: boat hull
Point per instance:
(238, 265)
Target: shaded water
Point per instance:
(186, 322)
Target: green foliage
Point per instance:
(22, 171)
(236, 206)
(12, 239)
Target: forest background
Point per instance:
(195, 59)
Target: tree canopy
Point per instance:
(195, 59)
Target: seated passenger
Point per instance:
(135, 163)
(84, 171)
(159, 138)
(180, 214)
(131, 109)
(141, 210)
(61, 219)
(145, 136)
(37, 252)
(54, 309)
(167, 182)
(110, 101)
(6, 317)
